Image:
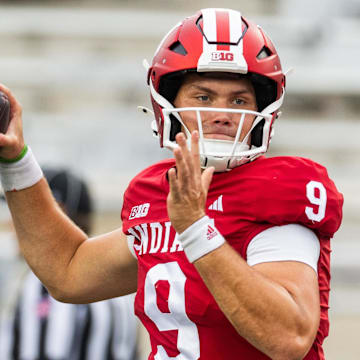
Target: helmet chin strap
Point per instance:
(222, 163)
(217, 162)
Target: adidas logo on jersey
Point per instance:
(139, 211)
(217, 204)
(211, 232)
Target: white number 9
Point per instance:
(320, 201)
(188, 342)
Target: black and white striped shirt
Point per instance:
(42, 328)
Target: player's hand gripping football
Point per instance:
(188, 185)
(12, 141)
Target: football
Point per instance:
(4, 112)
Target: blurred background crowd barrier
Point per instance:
(76, 67)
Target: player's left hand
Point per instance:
(188, 184)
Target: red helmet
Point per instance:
(217, 40)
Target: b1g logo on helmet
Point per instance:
(139, 211)
(222, 56)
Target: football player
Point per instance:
(232, 248)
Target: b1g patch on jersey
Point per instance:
(139, 211)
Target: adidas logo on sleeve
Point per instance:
(217, 205)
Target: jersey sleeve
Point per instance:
(297, 190)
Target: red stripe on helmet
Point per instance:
(222, 29)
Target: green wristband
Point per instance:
(19, 157)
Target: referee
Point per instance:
(41, 328)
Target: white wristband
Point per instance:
(200, 238)
(20, 174)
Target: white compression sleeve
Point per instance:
(292, 242)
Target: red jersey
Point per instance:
(173, 303)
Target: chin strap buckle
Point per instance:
(219, 163)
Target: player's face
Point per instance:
(218, 91)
